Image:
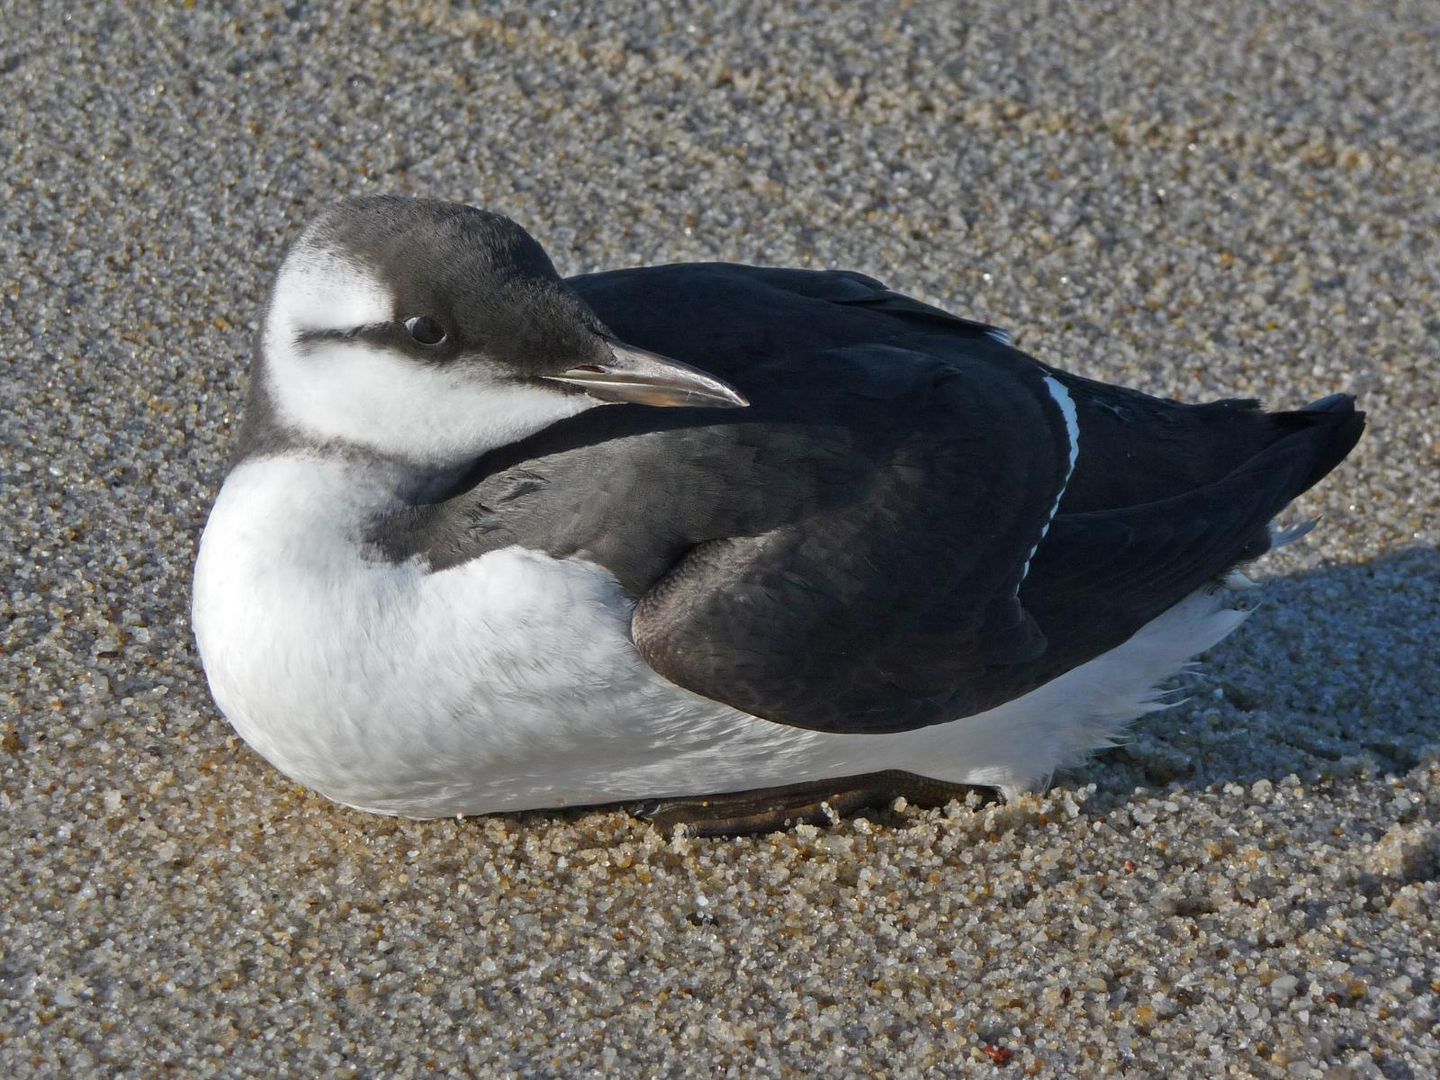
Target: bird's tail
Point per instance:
(1333, 425)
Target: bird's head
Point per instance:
(431, 332)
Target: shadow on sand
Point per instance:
(1336, 669)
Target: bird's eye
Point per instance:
(425, 330)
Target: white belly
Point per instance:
(510, 682)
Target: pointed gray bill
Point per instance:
(641, 377)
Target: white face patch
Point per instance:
(320, 290)
(358, 393)
(371, 397)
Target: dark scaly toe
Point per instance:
(822, 802)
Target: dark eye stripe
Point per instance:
(421, 329)
(349, 333)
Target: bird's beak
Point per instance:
(646, 378)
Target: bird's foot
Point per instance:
(818, 802)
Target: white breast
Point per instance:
(510, 682)
(383, 685)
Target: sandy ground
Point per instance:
(1200, 201)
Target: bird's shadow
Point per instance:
(1336, 671)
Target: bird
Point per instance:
(731, 546)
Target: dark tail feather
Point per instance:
(1112, 571)
(1335, 426)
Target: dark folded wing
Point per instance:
(870, 614)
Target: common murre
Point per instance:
(874, 547)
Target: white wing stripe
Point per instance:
(1061, 397)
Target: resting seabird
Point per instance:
(824, 540)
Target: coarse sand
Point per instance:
(1228, 199)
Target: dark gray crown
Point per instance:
(486, 280)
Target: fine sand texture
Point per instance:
(1202, 201)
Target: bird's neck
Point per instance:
(396, 482)
(289, 507)
(353, 476)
